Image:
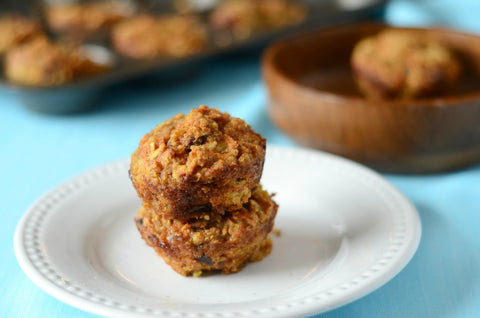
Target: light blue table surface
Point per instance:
(40, 151)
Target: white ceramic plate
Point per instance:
(345, 231)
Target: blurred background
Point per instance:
(103, 88)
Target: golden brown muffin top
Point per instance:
(202, 145)
(244, 17)
(81, 19)
(147, 36)
(41, 62)
(405, 62)
(15, 29)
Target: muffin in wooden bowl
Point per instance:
(314, 98)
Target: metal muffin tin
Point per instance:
(84, 94)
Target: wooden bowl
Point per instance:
(314, 99)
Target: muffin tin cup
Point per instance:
(83, 94)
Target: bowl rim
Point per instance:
(269, 54)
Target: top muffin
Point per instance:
(199, 163)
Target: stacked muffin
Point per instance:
(203, 207)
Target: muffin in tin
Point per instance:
(40, 62)
(147, 36)
(82, 19)
(246, 17)
(16, 29)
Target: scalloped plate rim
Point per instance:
(106, 170)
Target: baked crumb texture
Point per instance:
(203, 207)
(206, 161)
(213, 242)
(403, 64)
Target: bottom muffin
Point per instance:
(212, 242)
